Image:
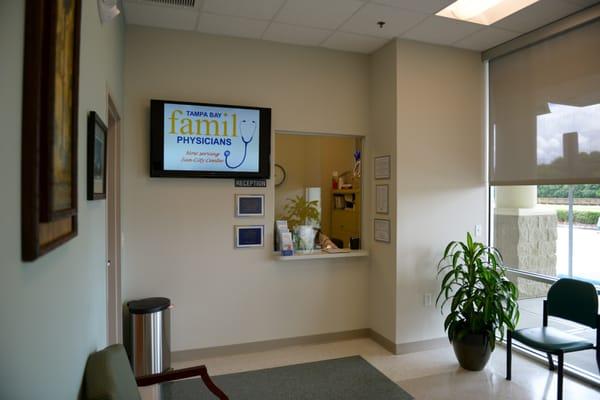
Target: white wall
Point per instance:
(53, 310)
(179, 232)
(441, 190)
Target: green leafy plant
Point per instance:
(589, 191)
(482, 300)
(301, 212)
(579, 217)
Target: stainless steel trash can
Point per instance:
(150, 335)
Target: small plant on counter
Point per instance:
(301, 212)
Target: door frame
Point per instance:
(114, 331)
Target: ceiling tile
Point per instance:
(396, 20)
(231, 26)
(260, 9)
(160, 16)
(426, 6)
(486, 38)
(353, 42)
(294, 34)
(326, 14)
(440, 30)
(538, 14)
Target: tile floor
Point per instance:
(432, 374)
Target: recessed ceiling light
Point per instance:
(484, 12)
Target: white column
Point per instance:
(516, 196)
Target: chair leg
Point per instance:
(598, 353)
(212, 387)
(560, 376)
(550, 362)
(508, 354)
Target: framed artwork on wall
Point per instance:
(383, 167)
(49, 129)
(249, 205)
(249, 236)
(96, 157)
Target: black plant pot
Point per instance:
(472, 351)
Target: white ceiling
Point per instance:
(349, 25)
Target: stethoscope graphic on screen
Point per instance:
(247, 130)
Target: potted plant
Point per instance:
(302, 215)
(483, 302)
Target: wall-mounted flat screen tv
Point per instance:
(209, 140)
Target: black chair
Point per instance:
(569, 299)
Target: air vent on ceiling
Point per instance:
(176, 3)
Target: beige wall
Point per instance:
(179, 232)
(54, 309)
(440, 169)
(382, 142)
(427, 113)
(309, 161)
(421, 104)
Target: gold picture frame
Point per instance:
(49, 146)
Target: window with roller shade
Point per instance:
(544, 109)
(544, 170)
(544, 156)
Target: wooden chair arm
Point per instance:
(182, 374)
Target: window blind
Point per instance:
(544, 111)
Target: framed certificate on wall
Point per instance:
(383, 167)
(382, 197)
(381, 229)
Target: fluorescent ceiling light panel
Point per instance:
(484, 12)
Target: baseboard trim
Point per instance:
(394, 348)
(383, 341)
(219, 351)
(406, 348)
(413, 347)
